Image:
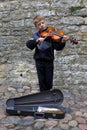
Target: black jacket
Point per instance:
(44, 50)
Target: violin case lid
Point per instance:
(28, 105)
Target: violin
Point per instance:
(56, 35)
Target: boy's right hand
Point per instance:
(40, 40)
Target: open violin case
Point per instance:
(28, 105)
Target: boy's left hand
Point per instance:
(65, 38)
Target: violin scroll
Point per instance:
(73, 41)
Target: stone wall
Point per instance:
(17, 66)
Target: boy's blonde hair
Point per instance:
(37, 19)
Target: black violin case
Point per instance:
(28, 105)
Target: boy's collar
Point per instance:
(38, 33)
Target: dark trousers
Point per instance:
(45, 74)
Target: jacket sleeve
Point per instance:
(31, 43)
(59, 45)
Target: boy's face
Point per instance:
(41, 25)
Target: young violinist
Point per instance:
(44, 53)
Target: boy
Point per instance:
(44, 53)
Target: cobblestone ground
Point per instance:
(75, 104)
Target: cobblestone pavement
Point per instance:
(75, 104)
